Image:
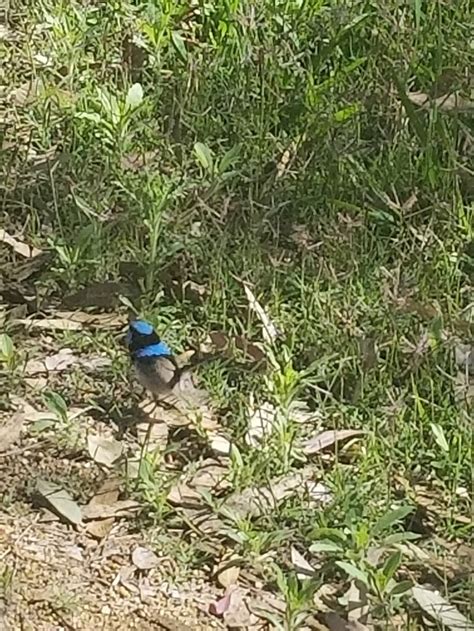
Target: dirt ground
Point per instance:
(56, 576)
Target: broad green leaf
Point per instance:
(229, 158)
(400, 588)
(90, 116)
(418, 13)
(413, 116)
(134, 96)
(347, 112)
(40, 426)
(328, 533)
(324, 546)
(204, 155)
(391, 565)
(440, 438)
(6, 347)
(180, 46)
(391, 517)
(56, 404)
(399, 537)
(353, 571)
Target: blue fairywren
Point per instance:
(155, 365)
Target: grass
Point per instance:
(276, 143)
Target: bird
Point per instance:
(155, 365)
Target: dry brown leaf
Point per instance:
(464, 358)
(317, 493)
(257, 501)
(125, 576)
(104, 295)
(101, 528)
(238, 614)
(285, 160)
(219, 341)
(251, 349)
(334, 622)
(357, 603)
(261, 423)
(303, 239)
(327, 438)
(219, 607)
(233, 608)
(368, 352)
(26, 93)
(63, 360)
(10, 431)
(120, 508)
(187, 397)
(220, 445)
(304, 570)
(147, 591)
(107, 495)
(189, 406)
(144, 559)
(185, 358)
(104, 449)
(210, 475)
(30, 413)
(134, 54)
(156, 413)
(59, 500)
(208, 524)
(137, 161)
(299, 412)
(265, 604)
(32, 266)
(153, 436)
(446, 103)
(194, 292)
(464, 390)
(270, 331)
(181, 494)
(20, 247)
(36, 383)
(228, 571)
(437, 607)
(74, 321)
(6, 34)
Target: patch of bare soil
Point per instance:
(55, 578)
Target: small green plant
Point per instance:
(298, 595)
(7, 351)
(113, 114)
(7, 573)
(358, 552)
(216, 172)
(146, 477)
(65, 429)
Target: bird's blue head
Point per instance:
(142, 341)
